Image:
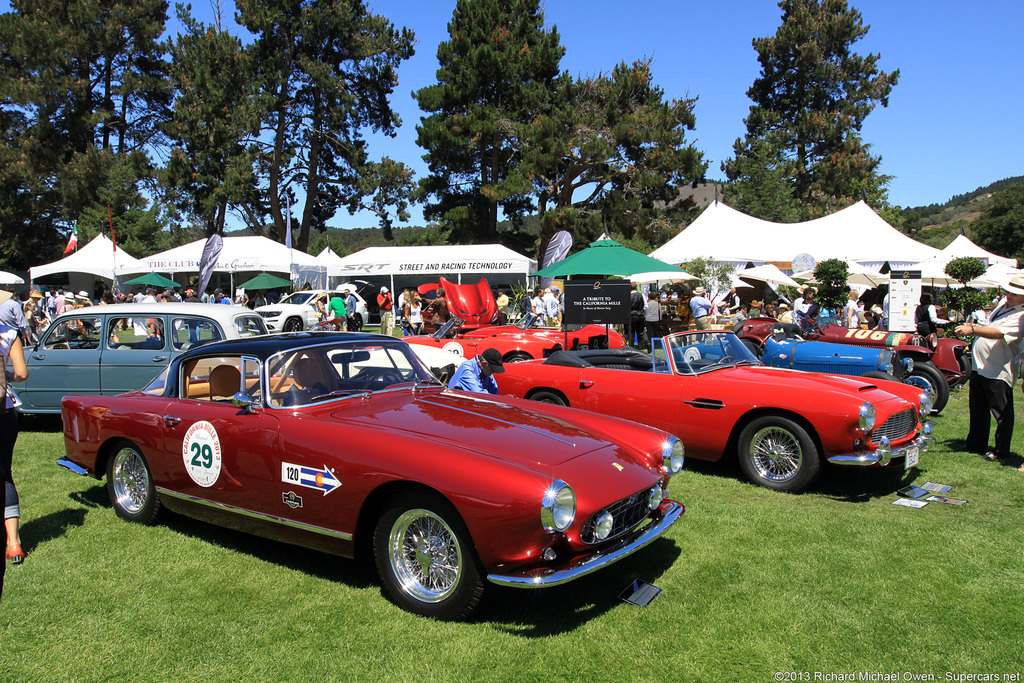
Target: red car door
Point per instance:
(651, 398)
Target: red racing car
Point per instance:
(346, 443)
(707, 388)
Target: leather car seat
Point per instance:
(225, 381)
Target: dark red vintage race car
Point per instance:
(346, 443)
(935, 358)
(707, 388)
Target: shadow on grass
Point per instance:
(44, 529)
(542, 612)
(40, 423)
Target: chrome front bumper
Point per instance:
(884, 454)
(552, 576)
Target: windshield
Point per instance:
(695, 352)
(298, 298)
(326, 372)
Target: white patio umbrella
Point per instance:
(858, 275)
(660, 276)
(768, 273)
(10, 278)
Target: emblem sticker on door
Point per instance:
(201, 453)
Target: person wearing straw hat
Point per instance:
(701, 308)
(995, 350)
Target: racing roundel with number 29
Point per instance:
(201, 453)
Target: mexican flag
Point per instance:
(72, 241)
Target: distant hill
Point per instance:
(938, 224)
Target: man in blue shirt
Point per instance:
(701, 307)
(477, 374)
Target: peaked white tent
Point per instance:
(962, 246)
(856, 233)
(251, 253)
(328, 257)
(98, 258)
(431, 261)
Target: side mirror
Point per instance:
(242, 400)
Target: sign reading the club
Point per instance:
(600, 302)
(904, 296)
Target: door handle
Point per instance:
(159, 359)
(38, 356)
(171, 421)
(585, 384)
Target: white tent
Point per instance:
(328, 257)
(10, 278)
(98, 258)
(252, 253)
(432, 261)
(856, 233)
(962, 246)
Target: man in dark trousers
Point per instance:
(636, 316)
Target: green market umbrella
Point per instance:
(265, 281)
(607, 257)
(154, 280)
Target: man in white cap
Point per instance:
(387, 312)
(701, 307)
(995, 350)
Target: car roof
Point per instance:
(217, 311)
(267, 345)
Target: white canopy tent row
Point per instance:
(98, 258)
(854, 234)
(962, 246)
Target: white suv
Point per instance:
(296, 311)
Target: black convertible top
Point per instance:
(623, 359)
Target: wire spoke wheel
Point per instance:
(776, 454)
(130, 485)
(425, 555)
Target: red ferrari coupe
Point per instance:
(346, 442)
(707, 388)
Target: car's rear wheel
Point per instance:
(130, 485)
(426, 559)
(292, 325)
(516, 357)
(549, 397)
(927, 376)
(777, 453)
(752, 347)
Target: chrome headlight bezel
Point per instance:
(673, 455)
(885, 361)
(866, 417)
(558, 506)
(926, 401)
(604, 526)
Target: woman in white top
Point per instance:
(413, 313)
(17, 371)
(850, 310)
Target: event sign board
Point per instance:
(599, 302)
(240, 264)
(904, 297)
(427, 267)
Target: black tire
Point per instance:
(292, 325)
(426, 559)
(878, 374)
(516, 357)
(777, 453)
(752, 347)
(130, 485)
(926, 375)
(357, 322)
(549, 397)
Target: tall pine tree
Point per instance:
(810, 102)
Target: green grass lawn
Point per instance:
(836, 581)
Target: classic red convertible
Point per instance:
(346, 443)
(707, 388)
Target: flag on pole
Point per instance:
(211, 250)
(72, 241)
(111, 219)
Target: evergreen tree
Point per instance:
(326, 68)
(810, 103)
(82, 88)
(1000, 228)
(497, 74)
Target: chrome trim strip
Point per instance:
(256, 515)
(64, 462)
(868, 458)
(541, 578)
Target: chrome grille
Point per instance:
(269, 314)
(898, 426)
(627, 513)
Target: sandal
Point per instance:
(15, 554)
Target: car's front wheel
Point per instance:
(292, 325)
(549, 397)
(130, 485)
(357, 322)
(777, 453)
(516, 357)
(426, 559)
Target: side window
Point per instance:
(187, 332)
(74, 333)
(212, 379)
(135, 333)
(251, 377)
(250, 326)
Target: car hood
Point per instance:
(512, 430)
(807, 388)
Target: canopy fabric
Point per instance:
(661, 276)
(606, 257)
(154, 279)
(327, 257)
(98, 258)
(768, 273)
(859, 274)
(10, 278)
(239, 254)
(265, 281)
(431, 261)
(963, 246)
(856, 233)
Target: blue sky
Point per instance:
(953, 122)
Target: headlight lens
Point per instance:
(656, 495)
(867, 417)
(558, 508)
(927, 401)
(604, 525)
(672, 457)
(885, 361)
(908, 365)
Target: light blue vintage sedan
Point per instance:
(108, 350)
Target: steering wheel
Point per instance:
(389, 375)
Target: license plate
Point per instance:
(913, 455)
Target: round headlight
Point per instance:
(933, 340)
(604, 525)
(672, 455)
(558, 508)
(889, 369)
(885, 361)
(655, 496)
(867, 417)
(927, 401)
(908, 365)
